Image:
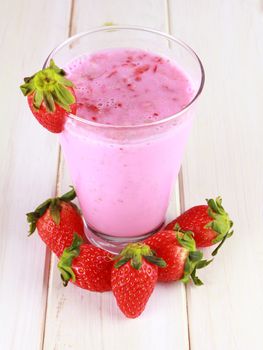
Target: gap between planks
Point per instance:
(179, 192)
(49, 257)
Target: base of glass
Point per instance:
(114, 244)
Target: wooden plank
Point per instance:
(77, 319)
(28, 166)
(225, 157)
(149, 13)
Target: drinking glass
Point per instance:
(124, 175)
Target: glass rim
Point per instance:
(136, 28)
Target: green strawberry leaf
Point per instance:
(230, 234)
(42, 208)
(197, 255)
(196, 279)
(65, 81)
(186, 240)
(55, 209)
(136, 261)
(27, 79)
(67, 95)
(155, 260)
(49, 102)
(120, 262)
(65, 262)
(203, 263)
(69, 196)
(27, 88)
(187, 267)
(60, 100)
(38, 98)
(32, 220)
(192, 263)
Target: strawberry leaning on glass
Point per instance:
(50, 97)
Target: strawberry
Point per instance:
(178, 250)
(133, 278)
(56, 220)
(50, 97)
(86, 266)
(210, 223)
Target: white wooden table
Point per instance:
(224, 156)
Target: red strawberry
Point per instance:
(179, 252)
(86, 266)
(142, 69)
(56, 221)
(210, 223)
(50, 97)
(133, 278)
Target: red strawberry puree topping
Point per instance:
(128, 87)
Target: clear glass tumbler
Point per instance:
(124, 175)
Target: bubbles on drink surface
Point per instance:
(128, 87)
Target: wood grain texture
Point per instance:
(77, 319)
(148, 13)
(28, 168)
(224, 157)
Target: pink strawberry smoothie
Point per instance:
(123, 173)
